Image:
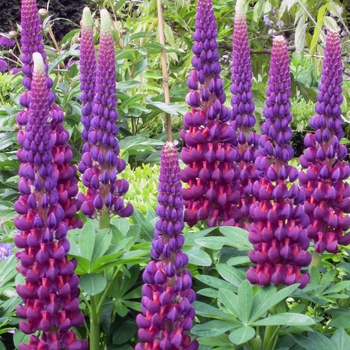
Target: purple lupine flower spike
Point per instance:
(67, 183)
(101, 164)
(278, 231)
(209, 152)
(50, 293)
(243, 119)
(31, 41)
(325, 178)
(87, 73)
(167, 295)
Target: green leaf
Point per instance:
(286, 319)
(230, 301)
(266, 298)
(212, 328)
(210, 311)
(93, 283)
(300, 32)
(209, 292)
(242, 335)
(87, 240)
(330, 23)
(231, 274)
(133, 234)
(126, 53)
(238, 260)
(171, 108)
(119, 5)
(320, 15)
(337, 287)
(215, 243)
(125, 332)
(140, 66)
(238, 236)
(102, 241)
(20, 337)
(215, 282)
(220, 340)
(128, 84)
(340, 339)
(197, 256)
(245, 300)
(314, 341)
(146, 227)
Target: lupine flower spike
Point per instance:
(67, 185)
(87, 73)
(167, 295)
(243, 119)
(326, 173)
(100, 165)
(209, 152)
(278, 232)
(50, 293)
(31, 41)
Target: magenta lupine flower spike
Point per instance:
(50, 293)
(243, 119)
(167, 295)
(101, 165)
(326, 174)
(209, 152)
(278, 231)
(87, 73)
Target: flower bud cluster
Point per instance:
(87, 73)
(209, 152)
(50, 293)
(167, 295)
(278, 232)
(243, 119)
(324, 180)
(100, 163)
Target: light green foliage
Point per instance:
(302, 111)
(143, 188)
(6, 81)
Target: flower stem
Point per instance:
(95, 333)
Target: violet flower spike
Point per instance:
(50, 293)
(67, 183)
(167, 313)
(87, 73)
(209, 153)
(278, 231)
(100, 165)
(325, 178)
(243, 119)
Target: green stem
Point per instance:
(95, 333)
(104, 295)
(105, 218)
(270, 332)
